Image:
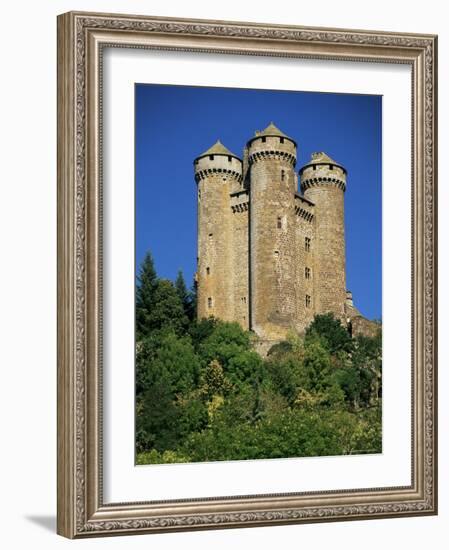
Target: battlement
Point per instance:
(322, 170)
(239, 201)
(203, 174)
(266, 154)
(304, 208)
(218, 160)
(271, 144)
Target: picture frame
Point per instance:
(82, 40)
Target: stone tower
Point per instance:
(323, 181)
(272, 186)
(270, 257)
(218, 173)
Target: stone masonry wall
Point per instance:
(272, 236)
(325, 188)
(240, 255)
(216, 178)
(305, 281)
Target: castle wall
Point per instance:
(325, 188)
(305, 273)
(240, 255)
(364, 327)
(273, 259)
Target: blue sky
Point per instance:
(174, 124)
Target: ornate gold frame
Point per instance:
(81, 37)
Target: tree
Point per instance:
(185, 296)
(201, 330)
(167, 310)
(330, 330)
(213, 381)
(194, 299)
(146, 285)
(287, 375)
(226, 341)
(167, 373)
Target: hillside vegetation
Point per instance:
(204, 394)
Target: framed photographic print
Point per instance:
(247, 274)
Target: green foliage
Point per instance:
(213, 381)
(289, 434)
(201, 330)
(203, 393)
(332, 333)
(225, 342)
(186, 296)
(167, 310)
(155, 457)
(194, 299)
(167, 370)
(146, 286)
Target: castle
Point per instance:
(270, 257)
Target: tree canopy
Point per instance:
(203, 393)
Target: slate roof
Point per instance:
(271, 130)
(218, 149)
(322, 158)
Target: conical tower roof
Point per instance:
(322, 158)
(218, 149)
(271, 131)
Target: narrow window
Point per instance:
(210, 236)
(199, 194)
(331, 166)
(307, 273)
(209, 302)
(281, 140)
(282, 175)
(208, 270)
(279, 222)
(314, 166)
(229, 159)
(276, 252)
(211, 157)
(308, 300)
(307, 244)
(264, 139)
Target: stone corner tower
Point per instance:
(323, 181)
(218, 173)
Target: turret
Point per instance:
(218, 172)
(272, 184)
(323, 181)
